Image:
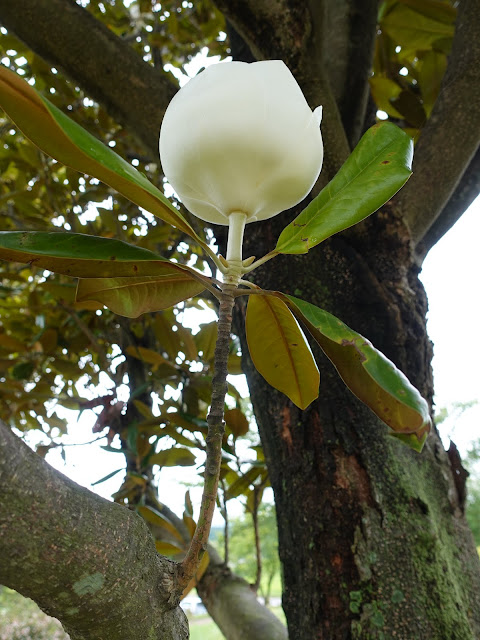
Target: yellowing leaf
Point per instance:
(168, 339)
(176, 456)
(48, 340)
(206, 339)
(189, 523)
(383, 89)
(10, 344)
(280, 351)
(202, 567)
(237, 422)
(235, 364)
(167, 549)
(373, 378)
(131, 297)
(143, 409)
(430, 76)
(148, 355)
(243, 482)
(159, 521)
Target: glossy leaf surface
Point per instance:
(66, 141)
(280, 351)
(131, 297)
(82, 256)
(377, 168)
(373, 378)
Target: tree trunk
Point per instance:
(383, 549)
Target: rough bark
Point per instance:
(86, 561)
(372, 538)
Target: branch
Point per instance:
(69, 38)
(216, 430)
(451, 137)
(258, 551)
(233, 605)
(466, 192)
(348, 54)
(86, 561)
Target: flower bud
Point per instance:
(241, 138)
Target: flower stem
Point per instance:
(236, 228)
(216, 430)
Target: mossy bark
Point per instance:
(86, 561)
(372, 536)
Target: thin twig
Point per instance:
(258, 551)
(225, 517)
(216, 430)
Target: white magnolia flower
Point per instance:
(240, 140)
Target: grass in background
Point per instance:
(21, 619)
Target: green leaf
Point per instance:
(438, 10)
(131, 297)
(411, 108)
(23, 370)
(107, 477)
(279, 349)
(373, 378)
(379, 165)
(413, 29)
(176, 456)
(430, 76)
(66, 141)
(82, 256)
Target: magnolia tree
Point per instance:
(240, 144)
(266, 158)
